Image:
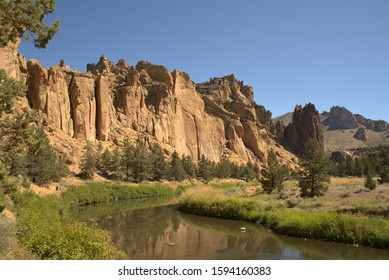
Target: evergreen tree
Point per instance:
(88, 162)
(7, 186)
(105, 163)
(9, 89)
(128, 159)
(204, 171)
(248, 171)
(189, 166)
(358, 167)
(43, 164)
(384, 175)
(115, 169)
(224, 169)
(257, 172)
(159, 167)
(177, 171)
(314, 170)
(369, 181)
(141, 167)
(349, 166)
(274, 176)
(27, 16)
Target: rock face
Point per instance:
(377, 126)
(340, 118)
(305, 124)
(12, 62)
(114, 101)
(361, 134)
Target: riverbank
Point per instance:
(327, 218)
(47, 231)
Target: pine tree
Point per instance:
(177, 171)
(105, 163)
(43, 164)
(369, 181)
(159, 167)
(9, 89)
(26, 18)
(115, 169)
(274, 176)
(248, 171)
(384, 175)
(314, 170)
(189, 166)
(224, 169)
(127, 159)
(204, 171)
(141, 167)
(88, 163)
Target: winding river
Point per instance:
(154, 230)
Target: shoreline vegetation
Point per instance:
(46, 230)
(316, 218)
(347, 213)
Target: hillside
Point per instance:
(344, 130)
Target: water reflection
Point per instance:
(161, 232)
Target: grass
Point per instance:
(348, 218)
(92, 193)
(45, 230)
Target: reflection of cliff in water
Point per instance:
(163, 233)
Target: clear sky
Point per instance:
(328, 52)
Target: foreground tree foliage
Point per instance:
(25, 151)
(26, 18)
(274, 176)
(314, 172)
(88, 162)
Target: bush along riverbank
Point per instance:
(92, 193)
(46, 229)
(345, 228)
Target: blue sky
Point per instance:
(329, 52)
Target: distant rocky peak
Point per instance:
(340, 118)
(305, 125)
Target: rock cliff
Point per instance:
(305, 124)
(113, 101)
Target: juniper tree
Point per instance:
(159, 167)
(43, 164)
(205, 169)
(369, 181)
(177, 171)
(274, 176)
(140, 166)
(26, 18)
(314, 170)
(384, 175)
(224, 169)
(189, 166)
(88, 162)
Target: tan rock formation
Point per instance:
(104, 107)
(83, 102)
(12, 62)
(48, 93)
(112, 102)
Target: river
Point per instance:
(154, 230)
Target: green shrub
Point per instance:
(45, 230)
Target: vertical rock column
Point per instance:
(83, 101)
(105, 110)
